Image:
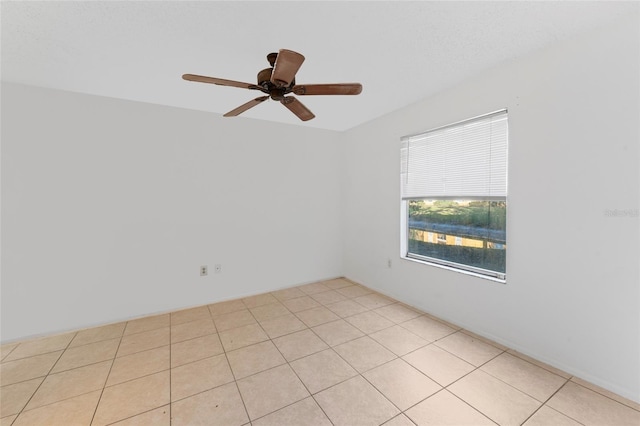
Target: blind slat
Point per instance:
(467, 159)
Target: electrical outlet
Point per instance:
(218, 268)
(204, 270)
(389, 263)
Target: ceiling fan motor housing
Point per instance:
(275, 92)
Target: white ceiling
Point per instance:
(401, 52)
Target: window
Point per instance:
(454, 188)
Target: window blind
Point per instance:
(463, 160)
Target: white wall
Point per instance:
(109, 207)
(572, 296)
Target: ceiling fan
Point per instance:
(278, 81)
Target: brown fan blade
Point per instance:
(242, 108)
(219, 81)
(328, 89)
(298, 108)
(287, 65)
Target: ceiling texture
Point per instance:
(400, 51)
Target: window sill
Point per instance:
(449, 268)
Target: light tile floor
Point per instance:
(327, 353)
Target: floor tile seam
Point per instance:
(542, 365)
(143, 350)
(191, 338)
(601, 394)
(45, 378)
(25, 404)
(521, 390)
(555, 409)
(171, 400)
(388, 399)
(445, 388)
(135, 415)
(483, 339)
(468, 362)
(52, 373)
(145, 331)
(34, 355)
(424, 338)
(72, 346)
(106, 380)
(9, 353)
(189, 322)
(135, 378)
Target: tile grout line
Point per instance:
(106, 379)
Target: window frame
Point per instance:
(496, 276)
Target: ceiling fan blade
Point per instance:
(287, 65)
(219, 81)
(242, 108)
(328, 89)
(298, 108)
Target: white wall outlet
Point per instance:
(218, 268)
(204, 270)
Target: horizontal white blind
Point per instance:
(467, 159)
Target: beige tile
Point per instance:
(500, 402)
(144, 341)
(300, 304)
(484, 339)
(398, 340)
(131, 398)
(369, 322)
(139, 364)
(287, 293)
(354, 291)
(40, 346)
(337, 332)
(226, 307)
(240, 337)
(271, 390)
(253, 359)
(27, 368)
(445, 409)
(439, 364)
(219, 406)
(7, 421)
(147, 323)
(60, 386)
(98, 334)
(530, 379)
(398, 313)
(608, 394)
(299, 344)
(468, 348)
(428, 328)
(374, 301)
(189, 315)
(280, 326)
(15, 397)
(364, 353)
(73, 411)
(316, 316)
(266, 312)
(235, 319)
(328, 297)
(337, 283)
(401, 383)
(87, 354)
(591, 408)
(158, 417)
(193, 378)
(5, 350)
(322, 369)
(314, 288)
(546, 416)
(195, 349)
(305, 412)
(355, 402)
(191, 330)
(259, 300)
(399, 420)
(346, 308)
(541, 364)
